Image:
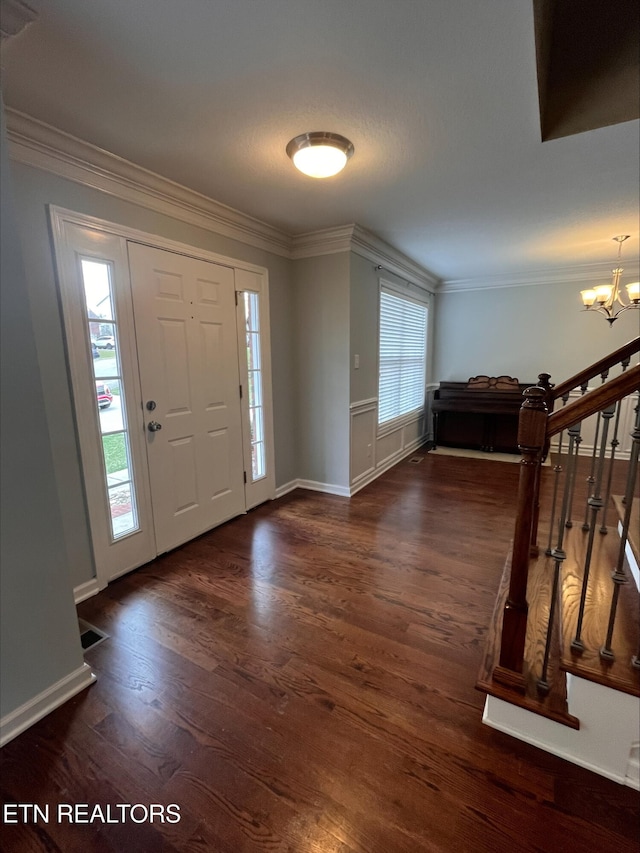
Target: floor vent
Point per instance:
(90, 636)
(415, 459)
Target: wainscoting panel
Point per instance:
(392, 446)
(363, 438)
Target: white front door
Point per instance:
(185, 320)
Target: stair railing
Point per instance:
(538, 425)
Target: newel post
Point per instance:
(532, 427)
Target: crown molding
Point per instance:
(325, 241)
(34, 143)
(37, 144)
(15, 15)
(355, 238)
(370, 246)
(579, 274)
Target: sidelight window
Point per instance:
(103, 336)
(254, 367)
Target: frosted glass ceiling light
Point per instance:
(320, 154)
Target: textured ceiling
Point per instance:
(439, 98)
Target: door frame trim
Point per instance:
(155, 241)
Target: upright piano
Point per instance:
(481, 414)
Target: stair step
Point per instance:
(554, 704)
(617, 674)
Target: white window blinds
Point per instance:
(403, 355)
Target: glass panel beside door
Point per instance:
(103, 336)
(254, 370)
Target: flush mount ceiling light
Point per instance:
(320, 154)
(608, 299)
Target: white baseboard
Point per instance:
(328, 488)
(388, 463)
(312, 486)
(35, 709)
(86, 590)
(281, 491)
(360, 483)
(632, 778)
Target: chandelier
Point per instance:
(608, 299)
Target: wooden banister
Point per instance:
(594, 401)
(535, 430)
(624, 353)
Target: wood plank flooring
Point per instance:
(301, 680)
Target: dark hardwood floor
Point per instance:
(302, 679)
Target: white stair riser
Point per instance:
(606, 743)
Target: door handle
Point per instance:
(154, 426)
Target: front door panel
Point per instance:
(187, 349)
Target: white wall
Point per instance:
(523, 331)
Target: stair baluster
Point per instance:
(619, 576)
(569, 522)
(595, 504)
(614, 445)
(594, 455)
(558, 553)
(557, 471)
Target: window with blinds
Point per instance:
(402, 355)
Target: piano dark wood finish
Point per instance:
(481, 414)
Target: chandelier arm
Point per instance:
(617, 290)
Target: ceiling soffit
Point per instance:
(588, 61)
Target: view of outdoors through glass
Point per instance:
(252, 321)
(103, 335)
